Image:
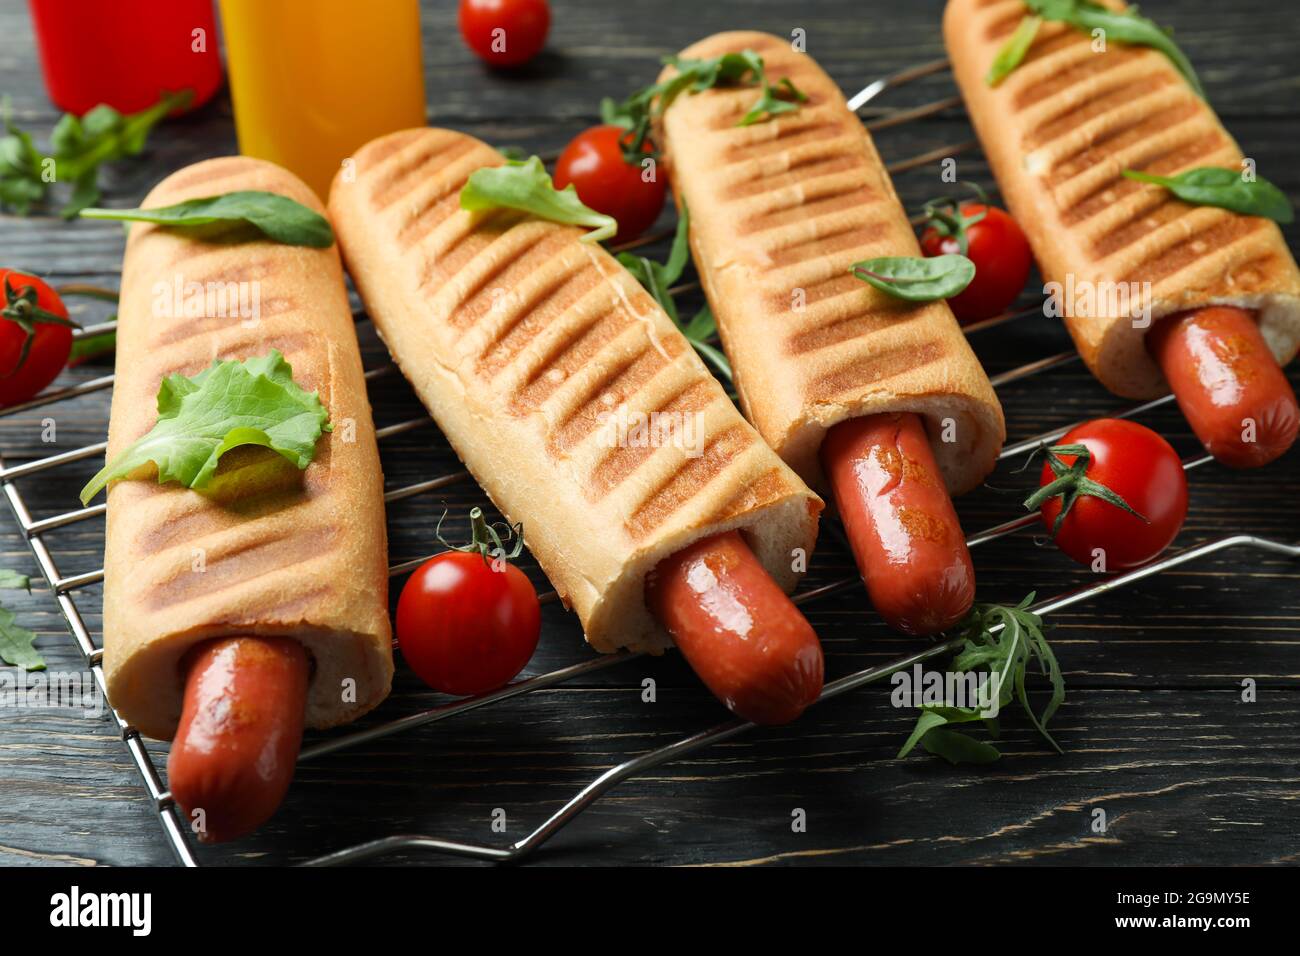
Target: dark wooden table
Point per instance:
(1155, 729)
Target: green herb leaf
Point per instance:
(16, 643)
(1072, 483)
(1226, 189)
(79, 147)
(637, 112)
(1014, 50)
(1125, 27)
(527, 186)
(956, 747)
(917, 279)
(228, 404)
(277, 217)
(13, 581)
(1002, 641)
(658, 279)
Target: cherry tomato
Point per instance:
(505, 32)
(633, 193)
(1139, 466)
(1002, 261)
(465, 625)
(27, 301)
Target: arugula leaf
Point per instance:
(1013, 52)
(13, 581)
(1226, 189)
(16, 643)
(917, 279)
(527, 186)
(278, 217)
(1003, 641)
(1126, 27)
(228, 404)
(79, 147)
(658, 279)
(637, 112)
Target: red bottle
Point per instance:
(126, 53)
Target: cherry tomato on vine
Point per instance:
(989, 238)
(505, 32)
(1094, 465)
(468, 621)
(633, 193)
(35, 336)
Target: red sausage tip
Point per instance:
(233, 756)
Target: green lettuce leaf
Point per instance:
(230, 403)
(527, 186)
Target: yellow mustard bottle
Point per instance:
(312, 82)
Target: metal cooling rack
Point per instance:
(174, 824)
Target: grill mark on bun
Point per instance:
(620, 462)
(875, 370)
(805, 169)
(874, 317)
(1093, 68)
(441, 265)
(520, 260)
(1229, 229)
(1131, 131)
(1159, 210)
(814, 128)
(842, 283)
(810, 205)
(569, 356)
(1183, 154)
(1063, 124)
(763, 490)
(278, 549)
(408, 172)
(609, 392)
(850, 236)
(550, 303)
(689, 480)
(378, 152)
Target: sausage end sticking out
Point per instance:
(900, 521)
(740, 632)
(241, 727)
(1228, 385)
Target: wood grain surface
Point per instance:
(1155, 729)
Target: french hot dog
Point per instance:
(779, 212)
(1058, 132)
(265, 554)
(528, 346)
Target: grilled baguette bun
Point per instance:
(1059, 130)
(779, 212)
(522, 341)
(266, 549)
